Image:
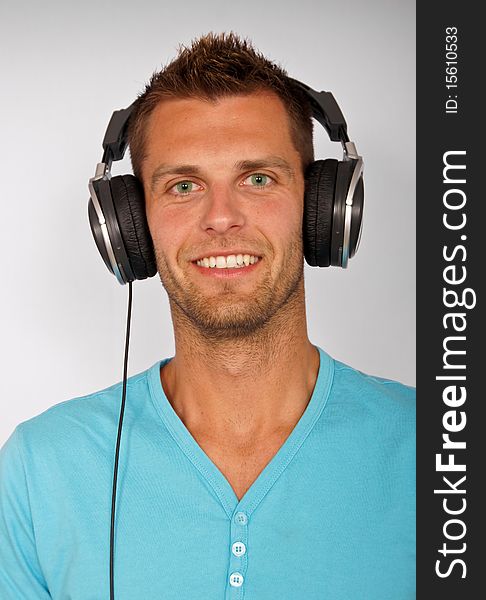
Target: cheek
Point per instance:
(168, 232)
(283, 219)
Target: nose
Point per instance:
(221, 210)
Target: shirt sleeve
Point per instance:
(20, 573)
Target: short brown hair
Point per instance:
(218, 65)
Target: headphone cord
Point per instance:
(117, 451)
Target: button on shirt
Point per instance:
(330, 517)
(238, 548)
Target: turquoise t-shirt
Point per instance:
(331, 517)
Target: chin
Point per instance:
(233, 321)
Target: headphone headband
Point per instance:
(325, 110)
(115, 141)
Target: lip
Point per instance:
(227, 273)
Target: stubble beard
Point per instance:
(232, 315)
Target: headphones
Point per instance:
(333, 200)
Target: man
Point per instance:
(253, 464)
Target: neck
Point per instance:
(248, 386)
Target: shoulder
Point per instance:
(372, 386)
(371, 398)
(373, 420)
(80, 422)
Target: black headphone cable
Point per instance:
(117, 451)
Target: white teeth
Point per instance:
(231, 261)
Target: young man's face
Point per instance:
(224, 178)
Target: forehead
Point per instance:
(256, 122)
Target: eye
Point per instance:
(258, 180)
(183, 188)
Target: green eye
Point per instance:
(184, 187)
(259, 179)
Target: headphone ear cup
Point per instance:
(344, 175)
(129, 203)
(320, 182)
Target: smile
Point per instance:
(232, 261)
(227, 267)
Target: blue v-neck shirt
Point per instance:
(331, 517)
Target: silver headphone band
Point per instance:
(358, 171)
(103, 172)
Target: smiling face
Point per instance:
(223, 178)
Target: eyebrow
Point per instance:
(162, 170)
(243, 165)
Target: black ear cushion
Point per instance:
(320, 180)
(128, 198)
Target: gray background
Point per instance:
(66, 66)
